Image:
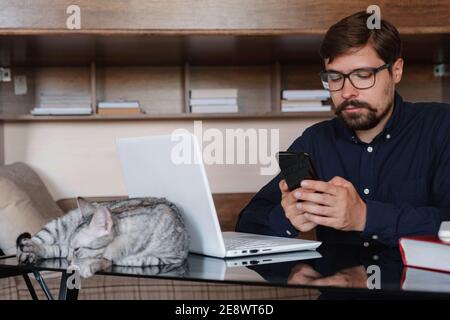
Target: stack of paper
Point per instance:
(214, 100)
(305, 101)
(63, 105)
(119, 107)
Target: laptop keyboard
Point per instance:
(240, 243)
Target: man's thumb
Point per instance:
(339, 181)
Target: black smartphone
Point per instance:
(295, 167)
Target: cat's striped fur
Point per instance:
(131, 232)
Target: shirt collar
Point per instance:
(388, 130)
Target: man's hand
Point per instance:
(334, 204)
(292, 211)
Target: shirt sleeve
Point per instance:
(387, 222)
(264, 213)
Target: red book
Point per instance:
(425, 252)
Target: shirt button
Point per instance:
(375, 237)
(369, 149)
(288, 232)
(366, 191)
(375, 257)
(388, 136)
(366, 244)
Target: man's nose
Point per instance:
(348, 90)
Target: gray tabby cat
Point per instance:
(131, 232)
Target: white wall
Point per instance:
(79, 158)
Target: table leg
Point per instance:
(43, 285)
(30, 286)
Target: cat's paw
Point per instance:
(27, 251)
(83, 268)
(88, 267)
(86, 270)
(26, 257)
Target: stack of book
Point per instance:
(426, 252)
(119, 107)
(427, 261)
(214, 100)
(305, 101)
(63, 105)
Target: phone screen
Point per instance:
(295, 167)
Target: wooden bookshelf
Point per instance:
(259, 47)
(131, 68)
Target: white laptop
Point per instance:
(271, 258)
(171, 166)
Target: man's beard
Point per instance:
(360, 121)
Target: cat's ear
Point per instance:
(101, 220)
(85, 207)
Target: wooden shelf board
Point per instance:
(410, 30)
(175, 116)
(166, 32)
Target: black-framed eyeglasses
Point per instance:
(362, 78)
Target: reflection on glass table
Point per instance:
(345, 270)
(377, 270)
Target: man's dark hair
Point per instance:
(352, 32)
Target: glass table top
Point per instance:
(334, 268)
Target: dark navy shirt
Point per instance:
(403, 176)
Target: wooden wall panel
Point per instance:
(254, 84)
(419, 84)
(315, 16)
(158, 89)
(62, 81)
(304, 77)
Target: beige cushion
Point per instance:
(25, 204)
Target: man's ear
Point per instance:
(397, 70)
(85, 207)
(101, 221)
